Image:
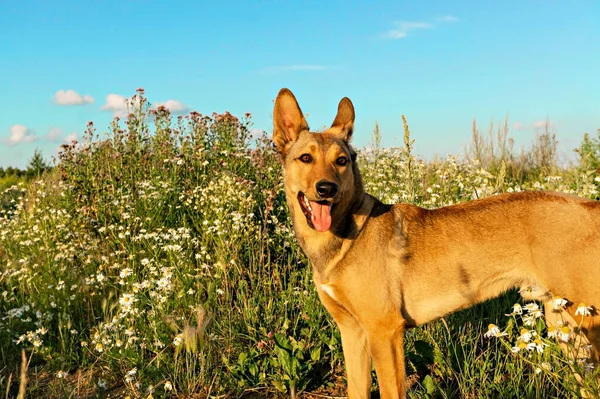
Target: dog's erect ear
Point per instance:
(288, 120)
(344, 120)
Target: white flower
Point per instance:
(583, 310)
(177, 340)
(220, 291)
(564, 333)
(517, 309)
(537, 344)
(494, 331)
(125, 273)
(526, 335)
(517, 348)
(127, 300)
(529, 320)
(168, 386)
(531, 307)
(559, 303)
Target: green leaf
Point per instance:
(429, 384)
(315, 354)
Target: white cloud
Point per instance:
(71, 97)
(71, 137)
(174, 106)
(116, 104)
(20, 134)
(55, 134)
(297, 67)
(541, 124)
(402, 29)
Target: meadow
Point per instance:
(157, 260)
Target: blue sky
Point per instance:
(440, 63)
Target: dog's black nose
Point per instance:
(327, 189)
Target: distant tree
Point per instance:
(37, 165)
(2, 173)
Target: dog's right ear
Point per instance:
(288, 120)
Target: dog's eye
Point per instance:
(342, 161)
(306, 158)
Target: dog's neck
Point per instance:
(326, 249)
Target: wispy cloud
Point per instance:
(536, 125)
(403, 28)
(20, 134)
(296, 67)
(543, 124)
(71, 97)
(449, 18)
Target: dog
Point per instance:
(380, 269)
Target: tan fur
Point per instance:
(381, 269)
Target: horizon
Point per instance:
(439, 64)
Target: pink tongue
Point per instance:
(320, 216)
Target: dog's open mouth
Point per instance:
(318, 213)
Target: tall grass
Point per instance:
(158, 260)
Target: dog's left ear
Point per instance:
(344, 120)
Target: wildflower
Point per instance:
(564, 333)
(177, 340)
(552, 332)
(531, 307)
(126, 301)
(517, 309)
(494, 331)
(559, 303)
(61, 374)
(220, 291)
(168, 386)
(125, 273)
(583, 310)
(99, 347)
(526, 335)
(529, 320)
(537, 344)
(517, 348)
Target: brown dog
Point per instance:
(380, 269)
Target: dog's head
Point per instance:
(319, 168)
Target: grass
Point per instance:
(158, 260)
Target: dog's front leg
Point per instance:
(357, 358)
(386, 341)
